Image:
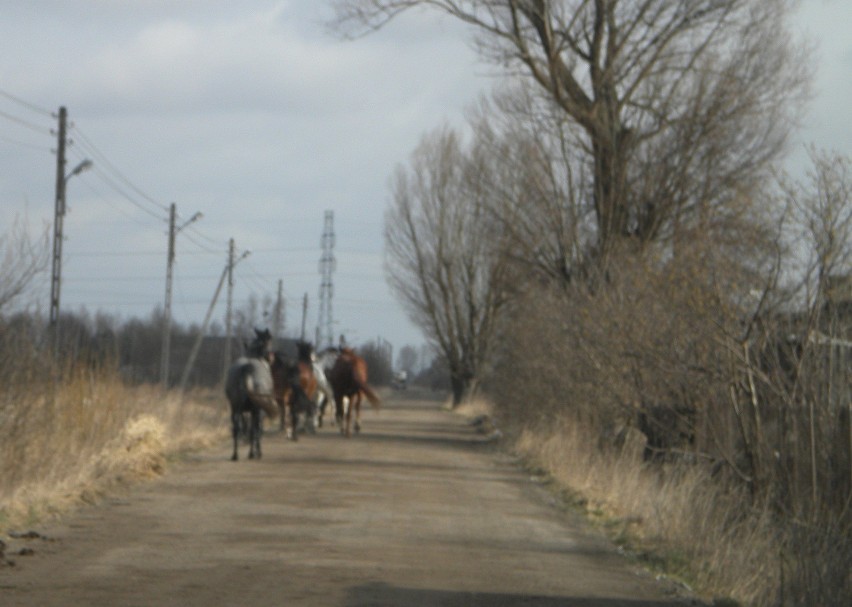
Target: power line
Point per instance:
(30, 125)
(104, 160)
(203, 247)
(27, 104)
(210, 240)
(111, 183)
(109, 201)
(34, 146)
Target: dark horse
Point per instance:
(348, 379)
(249, 389)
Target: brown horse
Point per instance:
(295, 388)
(348, 379)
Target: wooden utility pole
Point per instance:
(229, 272)
(167, 307)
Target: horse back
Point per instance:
(249, 384)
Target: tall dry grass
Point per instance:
(72, 435)
(680, 520)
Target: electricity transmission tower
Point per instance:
(279, 313)
(326, 266)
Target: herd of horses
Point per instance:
(266, 382)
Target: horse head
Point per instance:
(261, 347)
(305, 351)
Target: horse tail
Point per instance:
(359, 378)
(253, 388)
(371, 395)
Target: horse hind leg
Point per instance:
(254, 434)
(313, 414)
(284, 407)
(322, 401)
(293, 430)
(356, 402)
(339, 412)
(347, 430)
(236, 428)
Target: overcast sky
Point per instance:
(253, 114)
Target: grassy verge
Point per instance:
(75, 442)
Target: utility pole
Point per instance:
(167, 307)
(229, 273)
(58, 221)
(58, 218)
(327, 266)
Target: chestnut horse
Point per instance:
(348, 379)
(295, 388)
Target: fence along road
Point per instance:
(417, 510)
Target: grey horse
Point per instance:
(249, 389)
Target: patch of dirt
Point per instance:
(416, 510)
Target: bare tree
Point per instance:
(824, 209)
(23, 259)
(441, 259)
(672, 105)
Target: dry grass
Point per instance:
(679, 520)
(90, 435)
(473, 408)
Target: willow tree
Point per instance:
(676, 107)
(442, 259)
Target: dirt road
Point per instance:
(417, 510)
